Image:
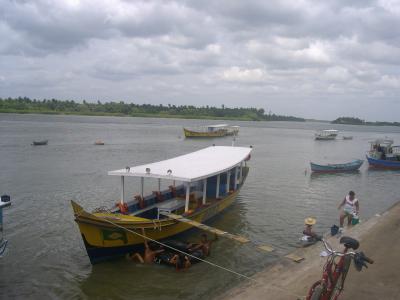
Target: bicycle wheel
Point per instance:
(342, 277)
(317, 292)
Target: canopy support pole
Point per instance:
(187, 196)
(241, 173)
(159, 184)
(122, 190)
(228, 179)
(218, 181)
(204, 190)
(236, 177)
(141, 186)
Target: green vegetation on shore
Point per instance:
(53, 106)
(357, 121)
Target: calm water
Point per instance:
(46, 257)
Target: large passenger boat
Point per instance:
(202, 185)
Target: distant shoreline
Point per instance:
(25, 105)
(137, 115)
(357, 121)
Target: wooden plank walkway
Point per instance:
(218, 232)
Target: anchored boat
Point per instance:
(99, 143)
(346, 167)
(40, 143)
(383, 154)
(203, 184)
(218, 130)
(326, 135)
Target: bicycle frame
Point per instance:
(330, 276)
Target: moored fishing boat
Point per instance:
(383, 154)
(346, 167)
(219, 130)
(99, 142)
(326, 134)
(347, 137)
(204, 183)
(40, 143)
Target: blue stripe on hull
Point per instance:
(380, 163)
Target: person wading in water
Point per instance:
(350, 206)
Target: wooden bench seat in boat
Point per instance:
(169, 205)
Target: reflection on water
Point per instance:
(46, 255)
(322, 176)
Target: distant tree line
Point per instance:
(357, 121)
(54, 106)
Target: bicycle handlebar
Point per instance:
(337, 253)
(352, 253)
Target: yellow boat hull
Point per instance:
(106, 234)
(205, 134)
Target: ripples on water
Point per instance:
(46, 256)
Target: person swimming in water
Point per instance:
(149, 254)
(204, 245)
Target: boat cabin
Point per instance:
(218, 127)
(384, 149)
(326, 134)
(195, 180)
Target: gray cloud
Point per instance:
(282, 55)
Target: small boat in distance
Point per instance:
(203, 184)
(347, 137)
(326, 134)
(383, 154)
(40, 143)
(219, 130)
(346, 167)
(99, 142)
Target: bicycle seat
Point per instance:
(349, 242)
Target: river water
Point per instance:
(46, 256)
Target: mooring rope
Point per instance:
(205, 261)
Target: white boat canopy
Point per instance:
(217, 126)
(190, 167)
(329, 130)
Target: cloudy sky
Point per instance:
(314, 59)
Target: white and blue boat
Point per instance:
(346, 167)
(384, 155)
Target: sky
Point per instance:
(313, 59)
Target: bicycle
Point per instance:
(334, 273)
